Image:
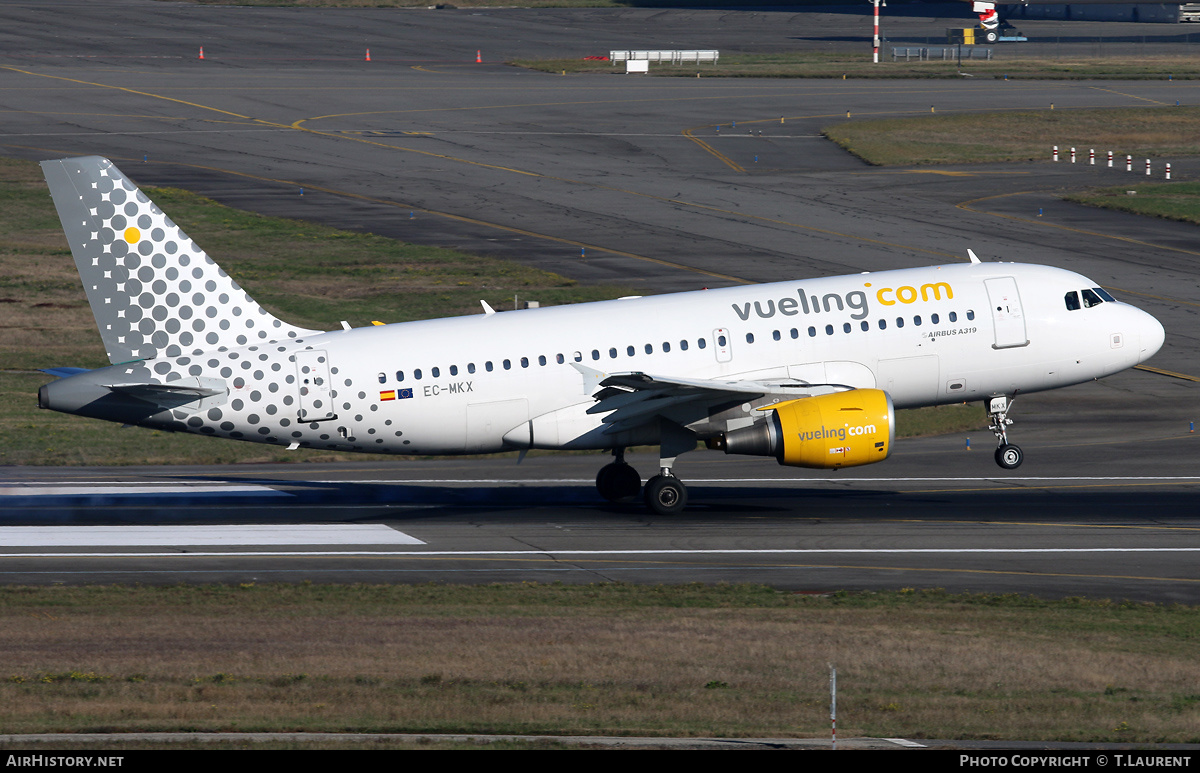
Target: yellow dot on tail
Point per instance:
(132, 235)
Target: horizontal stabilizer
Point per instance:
(154, 391)
(64, 372)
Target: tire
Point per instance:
(665, 494)
(618, 482)
(1009, 457)
(991, 36)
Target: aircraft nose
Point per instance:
(1151, 335)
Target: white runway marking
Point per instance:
(87, 489)
(586, 553)
(231, 535)
(698, 481)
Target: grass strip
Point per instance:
(613, 659)
(1171, 201)
(819, 64)
(1020, 135)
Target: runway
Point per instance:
(1090, 515)
(662, 184)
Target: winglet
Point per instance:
(974, 258)
(487, 310)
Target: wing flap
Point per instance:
(634, 399)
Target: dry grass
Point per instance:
(594, 660)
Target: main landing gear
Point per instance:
(1008, 456)
(619, 482)
(664, 494)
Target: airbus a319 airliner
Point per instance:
(809, 372)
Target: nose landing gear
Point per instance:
(1008, 456)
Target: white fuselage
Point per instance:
(460, 385)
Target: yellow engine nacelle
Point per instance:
(843, 429)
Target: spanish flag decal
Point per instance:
(388, 395)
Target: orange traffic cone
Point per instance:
(201, 52)
(478, 57)
(368, 55)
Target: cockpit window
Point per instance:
(1090, 298)
(1104, 294)
(1072, 299)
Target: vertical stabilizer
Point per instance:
(153, 291)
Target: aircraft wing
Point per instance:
(632, 399)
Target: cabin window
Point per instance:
(399, 375)
(749, 338)
(470, 367)
(683, 345)
(559, 358)
(666, 346)
(865, 325)
(701, 343)
(578, 356)
(934, 319)
(970, 314)
(649, 348)
(883, 324)
(846, 327)
(917, 320)
(954, 316)
(721, 340)
(812, 332)
(612, 353)
(417, 374)
(795, 333)
(435, 372)
(829, 330)
(383, 378)
(541, 359)
(630, 351)
(595, 354)
(899, 321)
(524, 362)
(488, 366)
(775, 335)
(453, 370)
(507, 364)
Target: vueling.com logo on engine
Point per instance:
(855, 300)
(837, 433)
